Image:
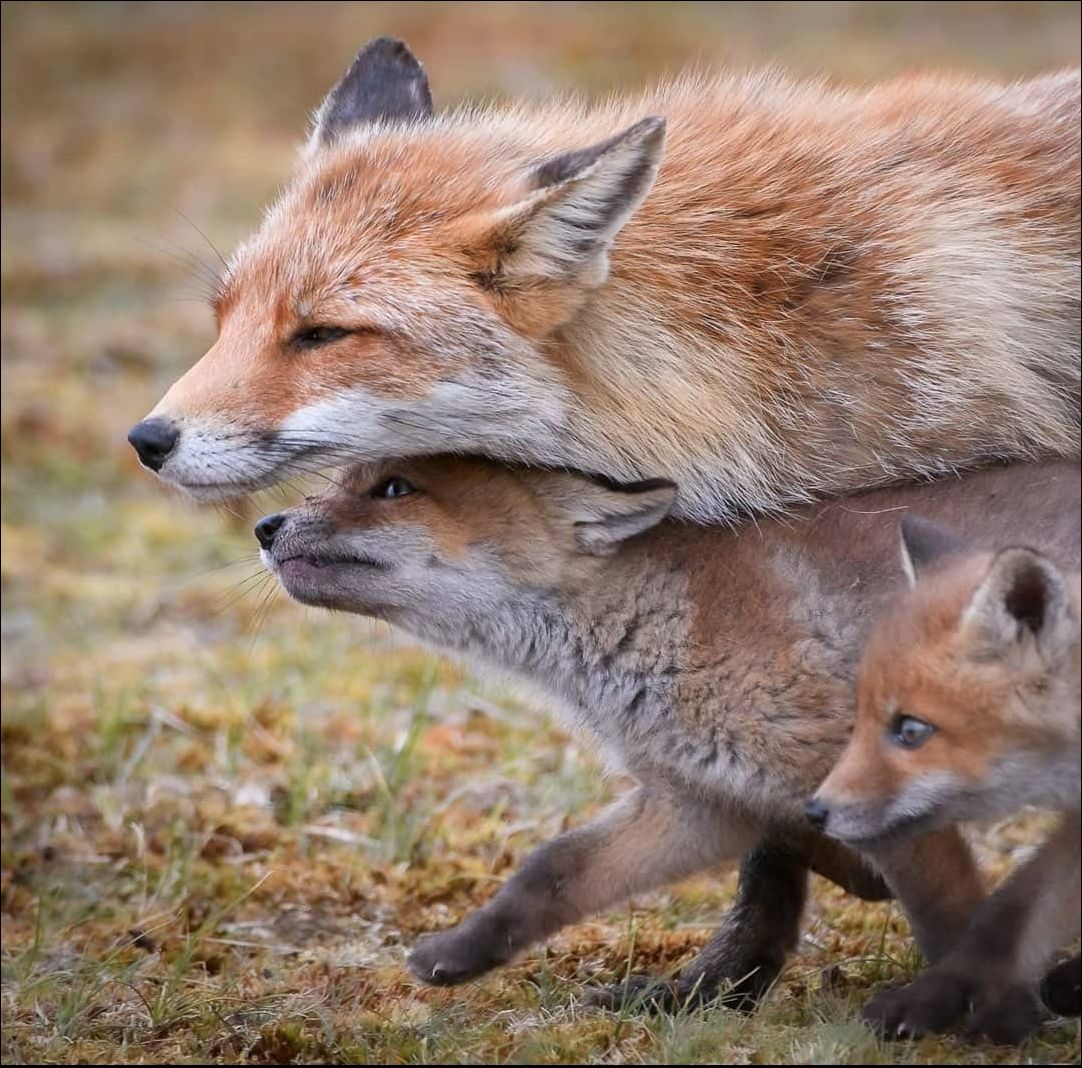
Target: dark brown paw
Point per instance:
(452, 957)
(933, 1002)
(1061, 989)
(1008, 1020)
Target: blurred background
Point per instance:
(223, 816)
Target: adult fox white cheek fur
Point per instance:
(760, 289)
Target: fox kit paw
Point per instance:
(1061, 989)
(454, 956)
(932, 1002)
(936, 1001)
(1008, 1020)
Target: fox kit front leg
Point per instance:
(647, 839)
(993, 969)
(938, 884)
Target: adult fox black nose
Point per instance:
(153, 440)
(267, 527)
(817, 813)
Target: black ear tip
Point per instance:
(927, 542)
(913, 526)
(646, 485)
(388, 48)
(649, 485)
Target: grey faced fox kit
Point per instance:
(968, 708)
(715, 665)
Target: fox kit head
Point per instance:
(398, 298)
(968, 695)
(439, 545)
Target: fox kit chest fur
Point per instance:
(765, 291)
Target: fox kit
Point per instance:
(763, 290)
(716, 666)
(968, 708)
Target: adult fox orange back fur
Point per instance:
(762, 290)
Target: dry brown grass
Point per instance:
(224, 818)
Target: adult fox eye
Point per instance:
(393, 487)
(312, 337)
(910, 732)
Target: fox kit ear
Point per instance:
(1023, 596)
(562, 229)
(385, 83)
(925, 544)
(604, 514)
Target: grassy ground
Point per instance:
(224, 819)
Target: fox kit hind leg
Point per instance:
(747, 952)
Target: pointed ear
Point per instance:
(385, 83)
(604, 514)
(926, 544)
(561, 230)
(1024, 596)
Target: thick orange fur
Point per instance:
(823, 290)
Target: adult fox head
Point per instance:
(968, 695)
(440, 544)
(398, 298)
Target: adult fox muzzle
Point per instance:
(762, 290)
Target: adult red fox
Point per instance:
(763, 290)
(969, 709)
(716, 666)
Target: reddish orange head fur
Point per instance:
(397, 298)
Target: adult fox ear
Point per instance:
(384, 84)
(1023, 598)
(603, 514)
(925, 545)
(559, 233)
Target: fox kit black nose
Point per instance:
(817, 813)
(267, 527)
(153, 440)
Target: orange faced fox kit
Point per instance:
(968, 701)
(763, 290)
(969, 708)
(714, 665)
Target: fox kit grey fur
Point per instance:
(968, 709)
(715, 666)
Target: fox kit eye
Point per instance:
(311, 337)
(393, 487)
(910, 732)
